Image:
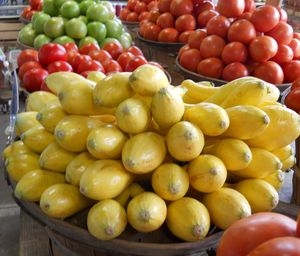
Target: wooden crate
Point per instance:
(296, 176)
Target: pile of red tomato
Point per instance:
(292, 100)
(34, 65)
(34, 6)
(241, 40)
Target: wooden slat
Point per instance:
(10, 26)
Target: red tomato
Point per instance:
(291, 71)
(263, 48)
(40, 7)
(112, 66)
(183, 49)
(87, 48)
(131, 4)
(284, 54)
(165, 20)
(34, 4)
(184, 36)
(101, 55)
(134, 63)
(25, 11)
(70, 47)
(27, 55)
(124, 12)
(260, 227)
(135, 51)
(85, 73)
(71, 57)
(164, 5)
(124, 59)
(242, 31)
(204, 6)
(152, 32)
(249, 6)
(265, 18)
(205, 16)
(292, 101)
(251, 66)
(218, 25)
(156, 64)
(295, 46)
(283, 14)
(154, 14)
(282, 33)
(89, 65)
(269, 71)
(185, 22)
(190, 59)
(153, 5)
(44, 87)
(49, 53)
(132, 16)
(234, 71)
(289, 246)
(295, 85)
(246, 16)
(33, 79)
(212, 46)
(196, 38)
(180, 7)
(168, 35)
(140, 7)
(297, 35)
(78, 59)
(114, 49)
(210, 67)
(57, 66)
(27, 66)
(30, 14)
(234, 52)
(231, 8)
(144, 16)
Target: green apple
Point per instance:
(34, 16)
(27, 36)
(39, 21)
(59, 3)
(108, 40)
(28, 26)
(125, 42)
(110, 8)
(84, 19)
(98, 12)
(114, 28)
(97, 30)
(63, 40)
(40, 40)
(50, 8)
(84, 5)
(54, 27)
(70, 10)
(87, 40)
(76, 28)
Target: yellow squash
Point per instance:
(25, 121)
(284, 152)
(130, 192)
(106, 220)
(226, 206)
(188, 219)
(273, 93)
(288, 163)
(62, 201)
(95, 76)
(144, 152)
(276, 179)
(185, 141)
(17, 147)
(31, 186)
(39, 99)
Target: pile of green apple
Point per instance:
(63, 21)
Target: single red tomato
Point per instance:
(185, 22)
(297, 35)
(156, 64)
(134, 63)
(71, 57)
(283, 14)
(101, 56)
(131, 4)
(132, 16)
(269, 71)
(27, 55)
(152, 32)
(51, 52)
(136, 51)
(260, 227)
(114, 49)
(34, 4)
(123, 13)
(218, 25)
(154, 14)
(196, 38)
(153, 5)
(291, 71)
(78, 59)
(204, 6)
(33, 79)
(231, 8)
(164, 5)
(40, 7)
(87, 48)
(190, 59)
(168, 35)
(30, 14)
(205, 16)
(27, 66)
(57, 66)
(143, 26)
(282, 33)
(295, 85)
(70, 47)
(140, 7)
(124, 59)
(263, 48)
(295, 46)
(292, 101)
(166, 20)
(234, 71)
(144, 16)
(210, 67)
(25, 11)
(184, 36)
(289, 246)
(249, 6)
(44, 87)
(234, 52)
(284, 54)
(246, 16)
(180, 7)
(242, 31)
(112, 66)
(89, 65)
(212, 46)
(265, 18)
(183, 49)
